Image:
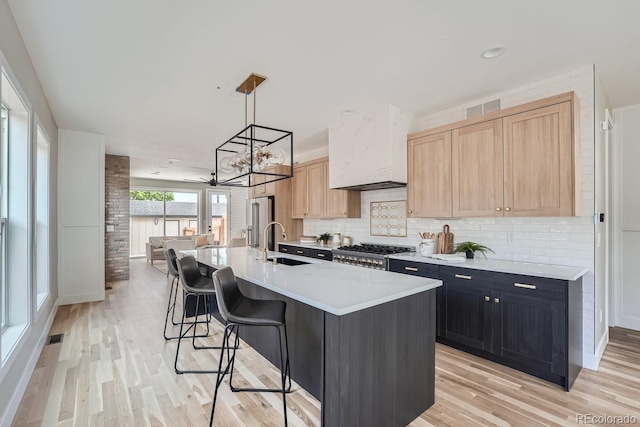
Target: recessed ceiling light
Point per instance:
(163, 167)
(347, 112)
(155, 173)
(172, 161)
(494, 52)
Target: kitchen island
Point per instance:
(361, 341)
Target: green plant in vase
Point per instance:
(324, 238)
(470, 248)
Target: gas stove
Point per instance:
(368, 254)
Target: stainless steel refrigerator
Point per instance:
(260, 212)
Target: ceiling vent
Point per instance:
(482, 109)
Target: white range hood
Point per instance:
(369, 152)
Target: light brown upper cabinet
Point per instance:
(429, 176)
(340, 203)
(308, 191)
(520, 161)
(312, 197)
(263, 189)
(477, 164)
(538, 162)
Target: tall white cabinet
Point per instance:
(80, 217)
(626, 225)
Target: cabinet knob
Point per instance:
(507, 209)
(486, 298)
(497, 300)
(344, 213)
(498, 209)
(410, 211)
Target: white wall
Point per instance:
(626, 226)
(81, 217)
(17, 371)
(549, 240)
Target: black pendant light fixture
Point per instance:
(257, 154)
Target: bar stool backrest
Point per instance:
(228, 294)
(171, 257)
(189, 271)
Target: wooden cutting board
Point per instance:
(445, 241)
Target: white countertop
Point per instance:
(330, 286)
(550, 271)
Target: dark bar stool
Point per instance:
(172, 269)
(196, 285)
(238, 310)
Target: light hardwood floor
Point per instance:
(114, 368)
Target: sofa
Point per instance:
(156, 245)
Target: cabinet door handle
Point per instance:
(498, 209)
(497, 300)
(486, 298)
(411, 269)
(299, 252)
(507, 209)
(524, 285)
(321, 255)
(462, 276)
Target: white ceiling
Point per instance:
(157, 77)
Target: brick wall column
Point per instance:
(116, 250)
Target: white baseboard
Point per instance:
(14, 403)
(592, 361)
(81, 298)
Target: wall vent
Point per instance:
(487, 107)
(55, 339)
(474, 111)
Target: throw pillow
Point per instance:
(201, 241)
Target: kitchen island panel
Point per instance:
(305, 330)
(379, 363)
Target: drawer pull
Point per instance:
(299, 252)
(524, 285)
(487, 298)
(321, 255)
(497, 300)
(462, 276)
(284, 249)
(411, 269)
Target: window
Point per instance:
(42, 218)
(154, 212)
(3, 214)
(16, 265)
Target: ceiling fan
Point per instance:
(212, 182)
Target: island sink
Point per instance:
(288, 261)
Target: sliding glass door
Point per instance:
(156, 212)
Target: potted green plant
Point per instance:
(324, 238)
(470, 248)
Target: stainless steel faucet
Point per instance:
(266, 249)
